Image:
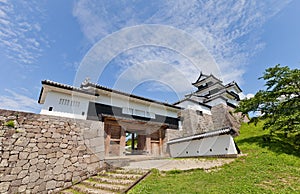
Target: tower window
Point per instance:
(198, 112)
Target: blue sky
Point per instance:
(54, 39)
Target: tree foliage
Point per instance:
(279, 103)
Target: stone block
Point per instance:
(13, 158)
(42, 140)
(60, 161)
(23, 155)
(43, 157)
(47, 134)
(60, 177)
(89, 134)
(42, 187)
(13, 189)
(67, 163)
(63, 145)
(41, 145)
(95, 142)
(42, 174)
(58, 169)
(34, 161)
(48, 146)
(35, 149)
(56, 136)
(14, 152)
(51, 155)
(76, 179)
(55, 144)
(59, 154)
(50, 185)
(52, 160)
(22, 188)
(16, 183)
(33, 155)
(22, 141)
(5, 155)
(26, 166)
(94, 158)
(93, 167)
(81, 148)
(22, 174)
(31, 185)
(67, 184)
(71, 169)
(60, 184)
(34, 176)
(25, 180)
(4, 163)
(8, 178)
(31, 145)
(32, 168)
(16, 170)
(41, 166)
(35, 189)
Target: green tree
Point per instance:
(279, 103)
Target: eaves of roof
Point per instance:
(191, 100)
(81, 90)
(212, 133)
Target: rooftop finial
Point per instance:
(87, 80)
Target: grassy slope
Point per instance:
(269, 167)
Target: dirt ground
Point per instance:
(179, 164)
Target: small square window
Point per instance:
(198, 112)
(82, 113)
(50, 108)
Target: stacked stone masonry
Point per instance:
(195, 122)
(44, 154)
(224, 116)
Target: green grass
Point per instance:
(10, 124)
(271, 166)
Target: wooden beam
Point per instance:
(107, 139)
(148, 144)
(132, 142)
(160, 142)
(122, 142)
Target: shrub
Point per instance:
(10, 124)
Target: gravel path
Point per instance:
(178, 164)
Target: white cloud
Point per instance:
(228, 29)
(19, 102)
(246, 96)
(20, 37)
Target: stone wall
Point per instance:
(43, 154)
(195, 122)
(224, 116)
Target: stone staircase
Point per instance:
(112, 181)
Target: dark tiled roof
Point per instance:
(232, 84)
(212, 133)
(63, 86)
(126, 94)
(87, 84)
(205, 77)
(191, 100)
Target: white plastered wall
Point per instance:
(53, 99)
(124, 102)
(210, 146)
(194, 106)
